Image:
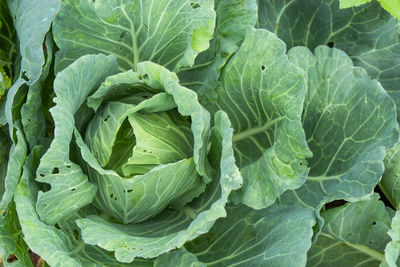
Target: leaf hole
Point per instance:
(23, 76)
(106, 118)
(57, 226)
(374, 223)
(55, 170)
(112, 195)
(146, 76)
(334, 204)
(130, 190)
(262, 67)
(68, 166)
(330, 44)
(41, 175)
(194, 5)
(73, 189)
(11, 258)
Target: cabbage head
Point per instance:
(135, 161)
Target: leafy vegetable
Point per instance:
(392, 6)
(356, 233)
(264, 102)
(199, 133)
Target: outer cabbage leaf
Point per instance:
(70, 188)
(390, 179)
(173, 227)
(354, 235)
(13, 170)
(32, 20)
(170, 33)
(392, 250)
(276, 236)
(368, 34)
(263, 93)
(180, 258)
(31, 36)
(8, 48)
(352, 3)
(12, 240)
(392, 6)
(16, 150)
(32, 114)
(5, 145)
(233, 18)
(59, 244)
(349, 120)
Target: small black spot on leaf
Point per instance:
(194, 5)
(106, 118)
(12, 258)
(262, 67)
(23, 76)
(73, 189)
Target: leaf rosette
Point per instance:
(142, 146)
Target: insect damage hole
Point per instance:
(106, 118)
(11, 258)
(194, 5)
(330, 44)
(262, 67)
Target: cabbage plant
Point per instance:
(199, 133)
